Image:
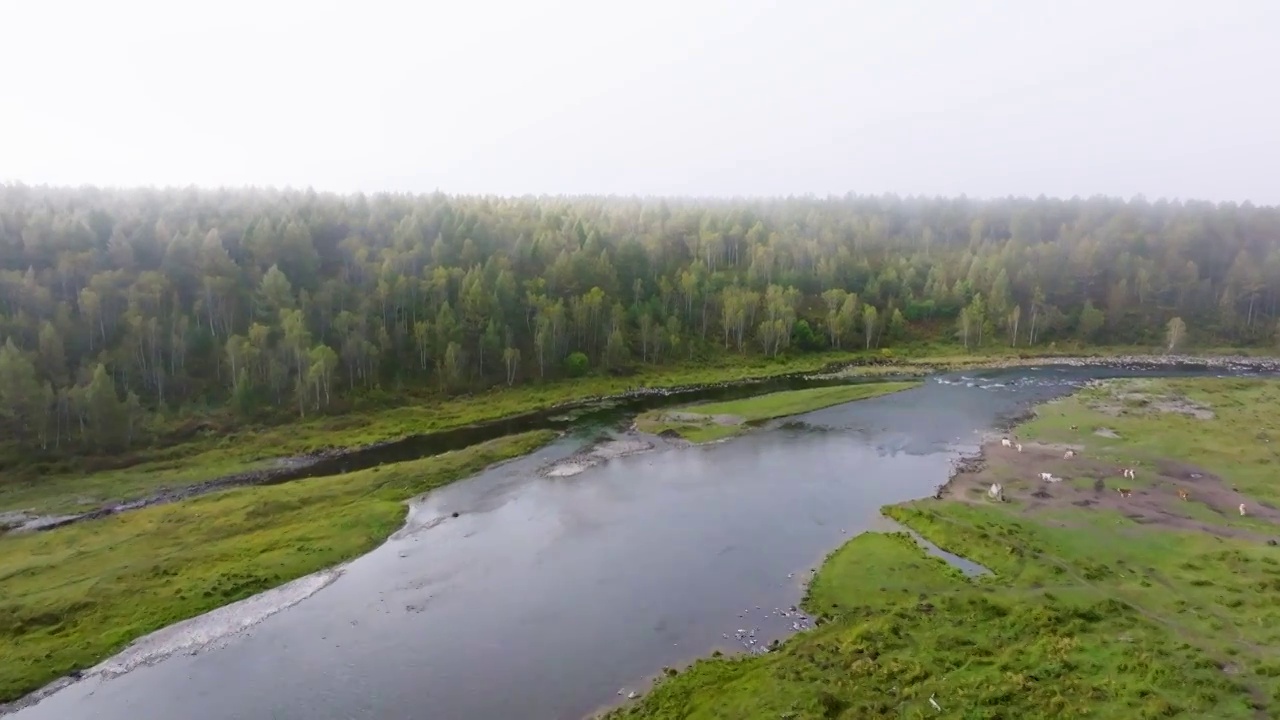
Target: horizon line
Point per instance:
(1136, 199)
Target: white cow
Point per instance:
(1019, 446)
(1242, 510)
(1046, 476)
(996, 492)
(1068, 454)
(1005, 442)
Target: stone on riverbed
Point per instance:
(608, 449)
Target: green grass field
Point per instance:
(1089, 613)
(73, 596)
(706, 422)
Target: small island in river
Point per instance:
(707, 422)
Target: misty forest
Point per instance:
(120, 308)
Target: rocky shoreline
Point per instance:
(1236, 363)
(602, 450)
(962, 465)
(1223, 362)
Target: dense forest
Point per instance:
(116, 305)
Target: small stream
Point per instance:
(967, 567)
(547, 597)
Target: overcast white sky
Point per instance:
(709, 97)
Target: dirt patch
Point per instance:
(15, 519)
(1106, 433)
(1187, 474)
(1184, 407)
(1084, 482)
(1141, 401)
(678, 426)
(680, 416)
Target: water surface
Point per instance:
(547, 596)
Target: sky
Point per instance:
(1168, 99)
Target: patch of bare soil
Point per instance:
(682, 416)
(1085, 482)
(1184, 407)
(1137, 402)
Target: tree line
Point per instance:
(118, 306)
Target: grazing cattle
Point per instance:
(1005, 442)
(1183, 495)
(1068, 454)
(1129, 473)
(1124, 492)
(1045, 476)
(1242, 510)
(1019, 446)
(996, 492)
(1075, 427)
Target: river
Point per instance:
(547, 597)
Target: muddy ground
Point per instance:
(681, 416)
(1086, 482)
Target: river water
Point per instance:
(548, 596)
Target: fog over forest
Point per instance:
(118, 308)
(122, 309)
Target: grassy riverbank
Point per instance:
(706, 422)
(73, 596)
(202, 447)
(1140, 607)
(225, 445)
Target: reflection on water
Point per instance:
(548, 594)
